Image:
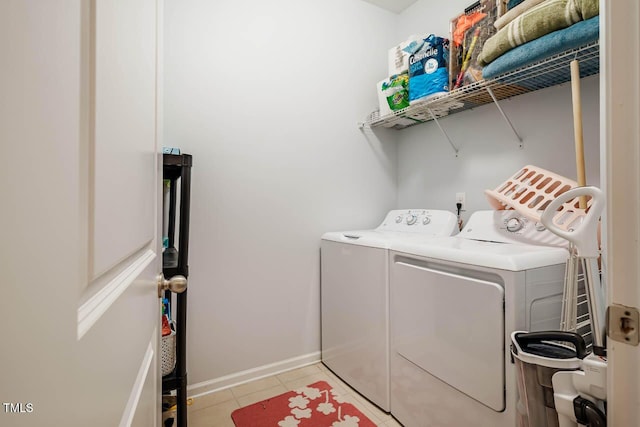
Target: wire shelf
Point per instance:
(549, 72)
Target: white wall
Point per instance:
(266, 97)
(429, 17)
(429, 174)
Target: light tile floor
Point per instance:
(214, 410)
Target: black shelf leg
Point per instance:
(181, 362)
(178, 167)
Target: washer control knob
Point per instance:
(426, 220)
(514, 224)
(398, 219)
(411, 219)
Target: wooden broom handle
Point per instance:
(577, 128)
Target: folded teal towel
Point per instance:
(577, 35)
(513, 3)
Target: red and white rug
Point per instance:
(316, 405)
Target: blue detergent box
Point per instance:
(428, 69)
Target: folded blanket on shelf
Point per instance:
(548, 16)
(516, 11)
(577, 35)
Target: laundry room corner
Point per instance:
(267, 97)
(321, 213)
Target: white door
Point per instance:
(620, 133)
(79, 203)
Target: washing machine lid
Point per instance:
(375, 238)
(502, 256)
(413, 225)
(369, 238)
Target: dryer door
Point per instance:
(451, 325)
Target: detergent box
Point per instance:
(393, 93)
(428, 68)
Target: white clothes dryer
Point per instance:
(454, 303)
(355, 296)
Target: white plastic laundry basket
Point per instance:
(530, 190)
(168, 351)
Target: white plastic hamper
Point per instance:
(168, 351)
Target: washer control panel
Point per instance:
(508, 226)
(434, 222)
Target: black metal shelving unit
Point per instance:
(177, 169)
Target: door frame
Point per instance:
(620, 163)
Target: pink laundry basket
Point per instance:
(530, 190)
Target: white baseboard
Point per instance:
(227, 381)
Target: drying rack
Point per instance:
(580, 302)
(549, 72)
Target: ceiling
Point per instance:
(395, 6)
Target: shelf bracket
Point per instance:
(435, 119)
(504, 116)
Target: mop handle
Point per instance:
(577, 127)
(585, 236)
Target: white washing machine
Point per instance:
(454, 303)
(355, 296)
